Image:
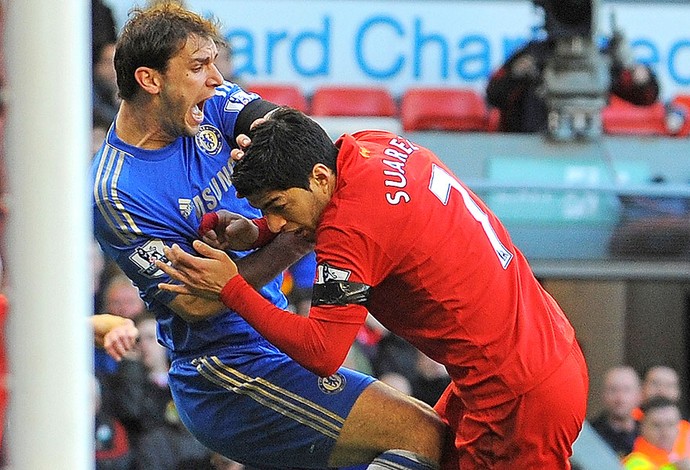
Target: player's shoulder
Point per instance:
(233, 96)
(374, 136)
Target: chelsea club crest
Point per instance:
(209, 140)
(332, 384)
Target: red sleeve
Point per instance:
(318, 342)
(265, 234)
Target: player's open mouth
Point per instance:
(198, 112)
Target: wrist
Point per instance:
(265, 235)
(228, 292)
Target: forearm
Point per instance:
(261, 266)
(192, 308)
(318, 344)
(251, 112)
(103, 323)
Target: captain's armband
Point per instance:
(340, 293)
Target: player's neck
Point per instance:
(137, 126)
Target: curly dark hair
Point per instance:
(283, 151)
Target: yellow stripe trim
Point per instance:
(271, 396)
(107, 198)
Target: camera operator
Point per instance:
(517, 88)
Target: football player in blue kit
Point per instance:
(165, 162)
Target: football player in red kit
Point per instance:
(399, 236)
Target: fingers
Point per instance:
(169, 269)
(178, 257)
(236, 155)
(204, 250)
(243, 142)
(176, 288)
(211, 239)
(120, 340)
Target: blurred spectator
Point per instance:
(171, 447)
(358, 360)
(622, 394)
(654, 448)
(369, 336)
(298, 282)
(138, 394)
(118, 297)
(105, 101)
(397, 381)
(661, 380)
(517, 90)
(103, 28)
(395, 355)
(98, 133)
(121, 297)
(112, 444)
(430, 381)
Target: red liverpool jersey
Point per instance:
(443, 271)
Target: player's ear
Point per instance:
(321, 174)
(149, 79)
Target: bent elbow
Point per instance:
(326, 370)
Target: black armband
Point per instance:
(340, 293)
(251, 112)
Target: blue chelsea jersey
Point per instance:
(145, 199)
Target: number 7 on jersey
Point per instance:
(441, 184)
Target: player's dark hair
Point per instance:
(152, 36)
(283, 151)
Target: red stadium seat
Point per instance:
(493, 120)
(353, 101)
(284, 95)
(447, 109)
(622, 118)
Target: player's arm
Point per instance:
(258, 268)
(318, 342)
(117, 335)
(251, 113)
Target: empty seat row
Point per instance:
(464, 109)
(449, 109)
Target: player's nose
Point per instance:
(215, 78)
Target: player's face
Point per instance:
(191, 79)
(291, 210)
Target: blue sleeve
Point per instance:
(225, 107)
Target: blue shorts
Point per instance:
(253, 404)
